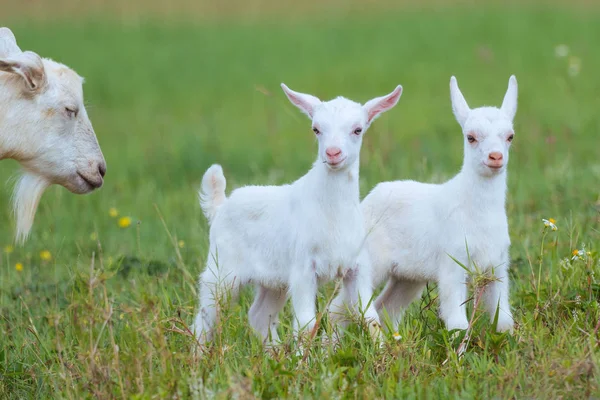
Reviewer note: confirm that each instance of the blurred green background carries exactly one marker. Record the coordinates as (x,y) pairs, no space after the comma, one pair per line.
(170,96)
(172,87)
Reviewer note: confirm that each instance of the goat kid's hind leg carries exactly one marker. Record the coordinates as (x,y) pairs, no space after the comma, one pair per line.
(496,295)
(357,293)
(264,312)
(212,291)
(337,314)
(397,295)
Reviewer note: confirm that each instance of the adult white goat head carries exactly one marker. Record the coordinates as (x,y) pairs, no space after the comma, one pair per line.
(339,124)
(488,131)
(45,127)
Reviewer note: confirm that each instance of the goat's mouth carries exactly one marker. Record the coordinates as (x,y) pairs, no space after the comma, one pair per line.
(494,167)
(86,184)
(336,164)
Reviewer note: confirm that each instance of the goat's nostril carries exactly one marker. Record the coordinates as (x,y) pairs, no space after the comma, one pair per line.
(102,169)
(496,156)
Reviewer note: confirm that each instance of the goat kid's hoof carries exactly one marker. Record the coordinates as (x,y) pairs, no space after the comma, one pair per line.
(197,351)
(506,326)
(333,340)
(301,351)
(376,333)
(461,324)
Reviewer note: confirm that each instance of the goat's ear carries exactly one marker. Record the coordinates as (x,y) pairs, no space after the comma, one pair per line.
(8,43)
(305,102)
(29,66)
(376,106)
(509,105)
(459,104)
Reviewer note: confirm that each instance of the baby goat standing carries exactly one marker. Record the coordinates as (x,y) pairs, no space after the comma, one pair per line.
(288,239)
(415,228)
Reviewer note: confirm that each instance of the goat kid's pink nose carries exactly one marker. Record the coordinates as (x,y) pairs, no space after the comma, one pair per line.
(333,152)
(495,156)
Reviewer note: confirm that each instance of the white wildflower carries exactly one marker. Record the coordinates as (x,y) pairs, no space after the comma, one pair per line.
(574,66)
(562,50)
(550,223)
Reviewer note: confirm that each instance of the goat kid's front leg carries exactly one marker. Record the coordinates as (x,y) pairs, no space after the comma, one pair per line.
(452,287)
(303,292)
(496,296)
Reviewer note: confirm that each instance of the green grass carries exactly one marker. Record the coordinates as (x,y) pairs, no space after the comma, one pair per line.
(106,318)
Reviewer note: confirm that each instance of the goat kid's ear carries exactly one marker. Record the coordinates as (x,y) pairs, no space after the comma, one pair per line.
(376,106)
(459,104)
(305,102)
(8,43)
(509,105)
(29,66)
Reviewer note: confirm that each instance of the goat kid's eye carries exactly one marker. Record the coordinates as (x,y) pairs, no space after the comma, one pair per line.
(357,131)
(510,138)
(71,112)
(471,139)
(316,131)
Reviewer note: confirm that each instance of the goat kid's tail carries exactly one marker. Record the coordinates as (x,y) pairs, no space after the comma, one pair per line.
(212,192)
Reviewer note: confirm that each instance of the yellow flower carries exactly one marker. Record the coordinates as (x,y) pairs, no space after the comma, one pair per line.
(124,222)
(94,236)
(396,336)
(552,220)
(578,254)
(45,255)
(19,267)
(8,249)
(181,244)
(113,212)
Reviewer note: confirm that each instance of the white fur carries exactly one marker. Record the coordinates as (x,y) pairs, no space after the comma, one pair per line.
(212,193)
(287,239)
(45,127)
(413,228)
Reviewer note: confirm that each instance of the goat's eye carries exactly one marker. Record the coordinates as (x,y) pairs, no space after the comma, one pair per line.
(316,131)
(471,138)
(71,112)
(357,131)
(511,137)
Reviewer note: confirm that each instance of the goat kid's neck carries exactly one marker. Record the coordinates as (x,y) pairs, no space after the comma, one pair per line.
(339,184)
(488,191)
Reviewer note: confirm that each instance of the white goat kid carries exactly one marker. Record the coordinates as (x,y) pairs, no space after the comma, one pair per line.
(288,239)
(45,127)
(414,228)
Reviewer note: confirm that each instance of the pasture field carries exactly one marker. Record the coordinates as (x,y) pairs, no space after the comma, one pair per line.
(97,305)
